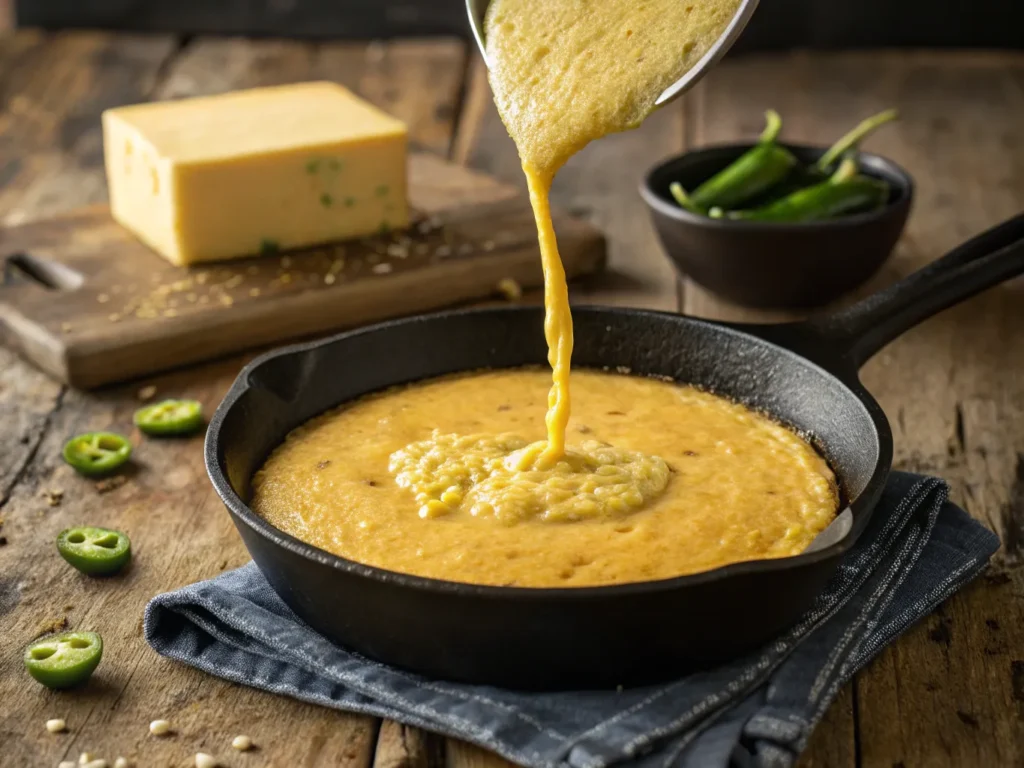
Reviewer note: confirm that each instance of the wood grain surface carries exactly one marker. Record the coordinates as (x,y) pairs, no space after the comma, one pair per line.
(90,304)
(951,692)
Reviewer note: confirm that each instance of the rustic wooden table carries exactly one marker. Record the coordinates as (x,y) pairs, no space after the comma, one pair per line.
(949,693)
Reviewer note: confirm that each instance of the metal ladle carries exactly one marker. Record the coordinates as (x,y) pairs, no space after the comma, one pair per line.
(477,8)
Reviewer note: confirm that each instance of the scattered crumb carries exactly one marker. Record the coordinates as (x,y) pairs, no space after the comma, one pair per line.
(465,249)
(443,251)
(510,289)
(226,300)
(488,245)
(235,281)
(108,484)
(103,298)
(254,292)
(170,313)
(160,727)
(53,496)
(146,393)
(381,269)
(329,279)
(69,607)
(114,317)
(51,626)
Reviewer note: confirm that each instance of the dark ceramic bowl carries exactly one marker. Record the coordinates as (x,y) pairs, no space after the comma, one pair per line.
(768,265)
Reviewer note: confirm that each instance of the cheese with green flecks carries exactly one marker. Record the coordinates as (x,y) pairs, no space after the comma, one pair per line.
(219,177)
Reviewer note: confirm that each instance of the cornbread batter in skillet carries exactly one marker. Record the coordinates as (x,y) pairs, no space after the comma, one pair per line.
(450,479)
(738,486)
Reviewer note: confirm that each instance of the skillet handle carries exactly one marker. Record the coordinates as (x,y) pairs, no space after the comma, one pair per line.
(988,259)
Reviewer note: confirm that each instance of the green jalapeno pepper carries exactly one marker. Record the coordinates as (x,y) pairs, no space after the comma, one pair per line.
(852,139)
(810,175)
(97,453)
(844,192)
(95,551)
(171,417)
(753,173)
(66,660)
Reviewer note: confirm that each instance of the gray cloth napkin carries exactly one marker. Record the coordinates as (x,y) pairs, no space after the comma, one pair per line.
(756,711)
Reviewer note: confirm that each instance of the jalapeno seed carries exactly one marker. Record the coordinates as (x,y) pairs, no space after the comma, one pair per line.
(170,417)
(65,660)
(95,551)
(97,453)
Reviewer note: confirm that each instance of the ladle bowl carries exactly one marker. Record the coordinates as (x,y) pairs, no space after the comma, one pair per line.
(476,9)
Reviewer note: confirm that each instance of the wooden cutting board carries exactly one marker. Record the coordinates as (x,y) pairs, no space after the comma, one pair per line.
(85,301)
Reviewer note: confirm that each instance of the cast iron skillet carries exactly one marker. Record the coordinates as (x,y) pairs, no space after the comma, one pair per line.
(805,374)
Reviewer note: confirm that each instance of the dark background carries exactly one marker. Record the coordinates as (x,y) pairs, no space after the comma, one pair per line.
(778,24)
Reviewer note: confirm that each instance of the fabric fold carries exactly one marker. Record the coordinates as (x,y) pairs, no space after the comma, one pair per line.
(756,711)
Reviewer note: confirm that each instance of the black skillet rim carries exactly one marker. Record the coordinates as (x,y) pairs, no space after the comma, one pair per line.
(241,511)
(901,182)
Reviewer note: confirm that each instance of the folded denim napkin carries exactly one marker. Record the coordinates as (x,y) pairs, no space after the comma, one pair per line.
(756,711)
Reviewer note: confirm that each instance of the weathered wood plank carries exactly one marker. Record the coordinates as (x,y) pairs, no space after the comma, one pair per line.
(178,530)
(949,387)
(51,149)
(7,19)
(951,693)
(402,746)
(600,183)
(392,76)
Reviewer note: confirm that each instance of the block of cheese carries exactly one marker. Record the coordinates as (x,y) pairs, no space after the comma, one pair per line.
(218,177)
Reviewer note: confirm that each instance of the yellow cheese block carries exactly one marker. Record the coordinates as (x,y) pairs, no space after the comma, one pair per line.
(218,177)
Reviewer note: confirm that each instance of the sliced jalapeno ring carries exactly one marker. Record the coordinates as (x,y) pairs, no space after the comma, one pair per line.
(97,453)
(171,417)
(65,660)
(95,551)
